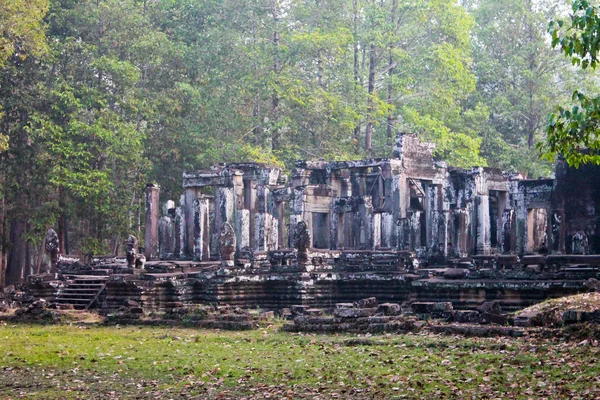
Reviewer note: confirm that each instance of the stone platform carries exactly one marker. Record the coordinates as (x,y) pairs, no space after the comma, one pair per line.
(266,284)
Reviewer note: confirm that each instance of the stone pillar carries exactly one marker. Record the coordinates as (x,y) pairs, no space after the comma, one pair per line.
(557,243)
(180,229)
(462,235)
(262,219)
(483,224)
(506,237)
(519,226)
(151,231)
(191,194)
(482,204)
(242,229)
(281,228)
(376,230)
(202,234)
(224,206)
(365,218)
(388,231)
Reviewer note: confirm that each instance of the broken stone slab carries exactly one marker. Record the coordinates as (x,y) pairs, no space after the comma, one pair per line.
(492,307)
(298,309)
(429,307)
(233,317)
(465,316)
(306,320)
(354,312)
(535,259)
(525,320)
(389,309)
(369,302)
(394,326)
(456,273)
(344,305)
(592,284)
(131,303)
(492,318)
(533,269)
(267,316)
(314,311)
(578,316)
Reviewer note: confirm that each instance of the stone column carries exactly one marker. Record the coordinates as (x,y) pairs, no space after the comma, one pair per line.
(191,194)
(202,236)
(482,203)
(376,230)
(242,229)
(224,206)
(483,224)
(151,231)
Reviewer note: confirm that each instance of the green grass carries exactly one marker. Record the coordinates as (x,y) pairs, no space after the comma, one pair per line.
(109,362)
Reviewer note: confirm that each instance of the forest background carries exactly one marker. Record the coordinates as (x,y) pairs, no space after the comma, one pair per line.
(98,97)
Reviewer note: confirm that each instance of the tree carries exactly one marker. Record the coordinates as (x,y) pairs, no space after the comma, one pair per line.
(573,132)
(21,35)
(516,72)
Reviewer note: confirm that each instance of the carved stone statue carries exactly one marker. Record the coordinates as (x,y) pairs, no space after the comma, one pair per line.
(227,244)
(52,248)
(134,259)
(131,252)
(301,239)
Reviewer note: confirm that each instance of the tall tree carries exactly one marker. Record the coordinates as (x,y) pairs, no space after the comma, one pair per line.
(516,74)
(573,131)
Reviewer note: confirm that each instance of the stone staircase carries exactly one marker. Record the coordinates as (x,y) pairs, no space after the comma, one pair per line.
(81,291)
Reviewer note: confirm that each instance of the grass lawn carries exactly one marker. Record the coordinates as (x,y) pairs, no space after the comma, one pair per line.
(62,361)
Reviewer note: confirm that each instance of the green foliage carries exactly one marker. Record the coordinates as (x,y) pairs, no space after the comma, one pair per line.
(21,28)
(516,73)
(106,95)
(573,131)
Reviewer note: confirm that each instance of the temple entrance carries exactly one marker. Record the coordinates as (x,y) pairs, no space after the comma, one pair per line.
(320,228)
(537,228)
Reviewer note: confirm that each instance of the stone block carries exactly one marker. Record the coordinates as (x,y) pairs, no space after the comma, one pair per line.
(344,305)
(422,307)
(573,316)
(445,306)
(314,311)
(533,269)
(369,302)
(429,307)
(267,316)
(456,273)
(354,312)
(389,309)
(493,307)
(298,309)
(578,316)
(492,318)
(131,303)
(465,316)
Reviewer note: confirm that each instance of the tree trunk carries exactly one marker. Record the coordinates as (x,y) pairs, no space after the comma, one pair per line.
(275,139)
(390,118)
(3,242)
(390,88)
(370,89)
(16,256)
(40,259)
(63,235)
(356,132)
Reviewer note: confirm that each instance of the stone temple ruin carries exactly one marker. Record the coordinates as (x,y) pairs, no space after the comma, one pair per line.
(407,229)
